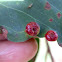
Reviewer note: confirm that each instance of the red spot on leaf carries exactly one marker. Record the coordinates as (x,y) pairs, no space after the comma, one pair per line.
(51,35)
(51,20)
(47,6)
(59,15)
(32,29)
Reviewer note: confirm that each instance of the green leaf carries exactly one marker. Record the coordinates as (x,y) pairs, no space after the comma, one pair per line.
(15,15)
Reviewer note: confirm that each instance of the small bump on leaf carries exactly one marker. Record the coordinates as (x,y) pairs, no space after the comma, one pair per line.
(59,15)
(51,20)
(47,6)
(30,5)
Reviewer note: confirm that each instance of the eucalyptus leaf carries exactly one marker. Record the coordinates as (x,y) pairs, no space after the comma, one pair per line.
(14,15)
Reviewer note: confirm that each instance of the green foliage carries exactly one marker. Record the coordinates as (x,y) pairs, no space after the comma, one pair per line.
(15,15)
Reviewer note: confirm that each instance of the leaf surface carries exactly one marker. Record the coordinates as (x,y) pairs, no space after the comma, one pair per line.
(14,15)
